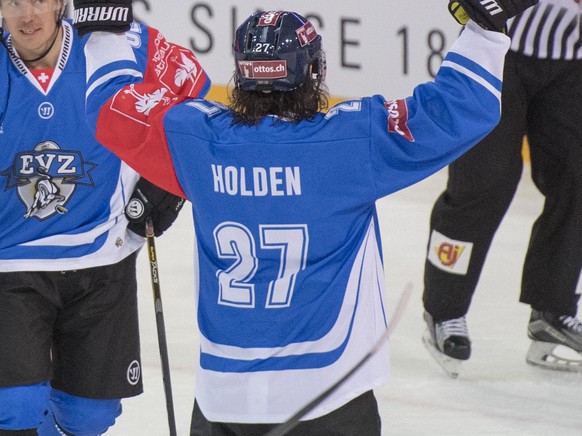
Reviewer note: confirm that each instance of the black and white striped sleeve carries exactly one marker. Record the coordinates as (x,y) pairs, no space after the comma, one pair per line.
(550,30)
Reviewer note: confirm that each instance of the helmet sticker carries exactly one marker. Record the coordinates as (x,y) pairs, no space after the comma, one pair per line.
(263,69)
(269,18)
(306,34)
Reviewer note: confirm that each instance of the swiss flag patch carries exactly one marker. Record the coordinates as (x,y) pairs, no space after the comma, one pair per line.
(398,118)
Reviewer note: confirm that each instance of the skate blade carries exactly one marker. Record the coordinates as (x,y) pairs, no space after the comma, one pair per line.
(555,357)
(448,364)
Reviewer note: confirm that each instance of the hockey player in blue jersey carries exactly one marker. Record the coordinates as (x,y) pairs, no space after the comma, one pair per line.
(291,281)
(69,343)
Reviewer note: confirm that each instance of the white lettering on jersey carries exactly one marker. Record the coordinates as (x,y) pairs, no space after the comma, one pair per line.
(256,181)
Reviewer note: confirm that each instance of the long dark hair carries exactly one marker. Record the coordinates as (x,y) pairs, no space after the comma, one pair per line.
(302,103)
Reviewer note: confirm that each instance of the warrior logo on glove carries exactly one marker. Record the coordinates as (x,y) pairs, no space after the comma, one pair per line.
(148,200)
(135,209)
(489,14)
(100,13)
(97,15)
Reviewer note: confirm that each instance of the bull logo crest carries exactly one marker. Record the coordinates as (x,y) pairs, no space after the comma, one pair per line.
(46,178)
(46,193)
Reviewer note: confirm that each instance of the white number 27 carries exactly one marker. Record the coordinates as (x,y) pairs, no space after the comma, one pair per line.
(235,241)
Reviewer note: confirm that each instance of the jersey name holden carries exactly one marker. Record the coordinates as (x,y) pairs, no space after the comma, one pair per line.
(256,181)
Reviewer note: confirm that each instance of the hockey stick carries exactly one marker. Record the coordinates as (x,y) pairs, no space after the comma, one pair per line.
(292,422)
(163,344)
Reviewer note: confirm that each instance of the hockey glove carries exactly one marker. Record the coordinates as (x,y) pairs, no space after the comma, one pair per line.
(148,200)
(102,15)
(489,14)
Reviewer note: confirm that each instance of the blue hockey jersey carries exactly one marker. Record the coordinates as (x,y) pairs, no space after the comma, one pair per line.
(63,193)
(290,268)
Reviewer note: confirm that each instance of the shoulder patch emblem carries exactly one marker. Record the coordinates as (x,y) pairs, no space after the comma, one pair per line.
(398,118)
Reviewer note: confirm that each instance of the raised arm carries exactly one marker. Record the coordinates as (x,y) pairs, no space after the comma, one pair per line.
(130,86)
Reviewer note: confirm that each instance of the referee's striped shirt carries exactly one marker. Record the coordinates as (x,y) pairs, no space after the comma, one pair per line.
(549,30)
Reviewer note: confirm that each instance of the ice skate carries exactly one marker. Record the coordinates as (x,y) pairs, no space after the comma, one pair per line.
(556,342)
(447,342)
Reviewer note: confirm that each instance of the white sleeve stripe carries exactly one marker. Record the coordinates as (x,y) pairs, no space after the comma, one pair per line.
(107,77)
(474,77)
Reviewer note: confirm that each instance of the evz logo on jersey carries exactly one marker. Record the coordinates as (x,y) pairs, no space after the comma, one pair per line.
(46,178)
(398,118)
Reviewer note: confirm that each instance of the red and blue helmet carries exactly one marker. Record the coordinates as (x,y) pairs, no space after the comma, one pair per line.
(277,51)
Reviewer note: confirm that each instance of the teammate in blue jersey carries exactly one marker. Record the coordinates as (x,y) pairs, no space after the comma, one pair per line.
(69,344)
(291,279)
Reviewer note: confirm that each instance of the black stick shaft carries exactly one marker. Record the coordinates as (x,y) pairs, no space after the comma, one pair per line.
(162,342)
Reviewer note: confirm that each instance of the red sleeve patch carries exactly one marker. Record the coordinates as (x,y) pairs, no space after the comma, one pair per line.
(137,101)
(398,118)
(174,67)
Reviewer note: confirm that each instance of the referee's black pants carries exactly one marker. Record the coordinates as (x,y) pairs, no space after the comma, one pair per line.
(543,99)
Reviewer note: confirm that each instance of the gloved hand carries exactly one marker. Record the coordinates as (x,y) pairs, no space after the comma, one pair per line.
(102,15)
(148,200)
(489,14)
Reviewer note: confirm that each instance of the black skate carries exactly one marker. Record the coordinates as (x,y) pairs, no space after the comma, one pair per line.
(448,342)
(556,341)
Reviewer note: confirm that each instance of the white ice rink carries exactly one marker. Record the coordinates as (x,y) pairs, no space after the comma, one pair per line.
(496,393)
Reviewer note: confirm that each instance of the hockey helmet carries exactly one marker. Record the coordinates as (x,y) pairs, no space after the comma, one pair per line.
(276,51)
